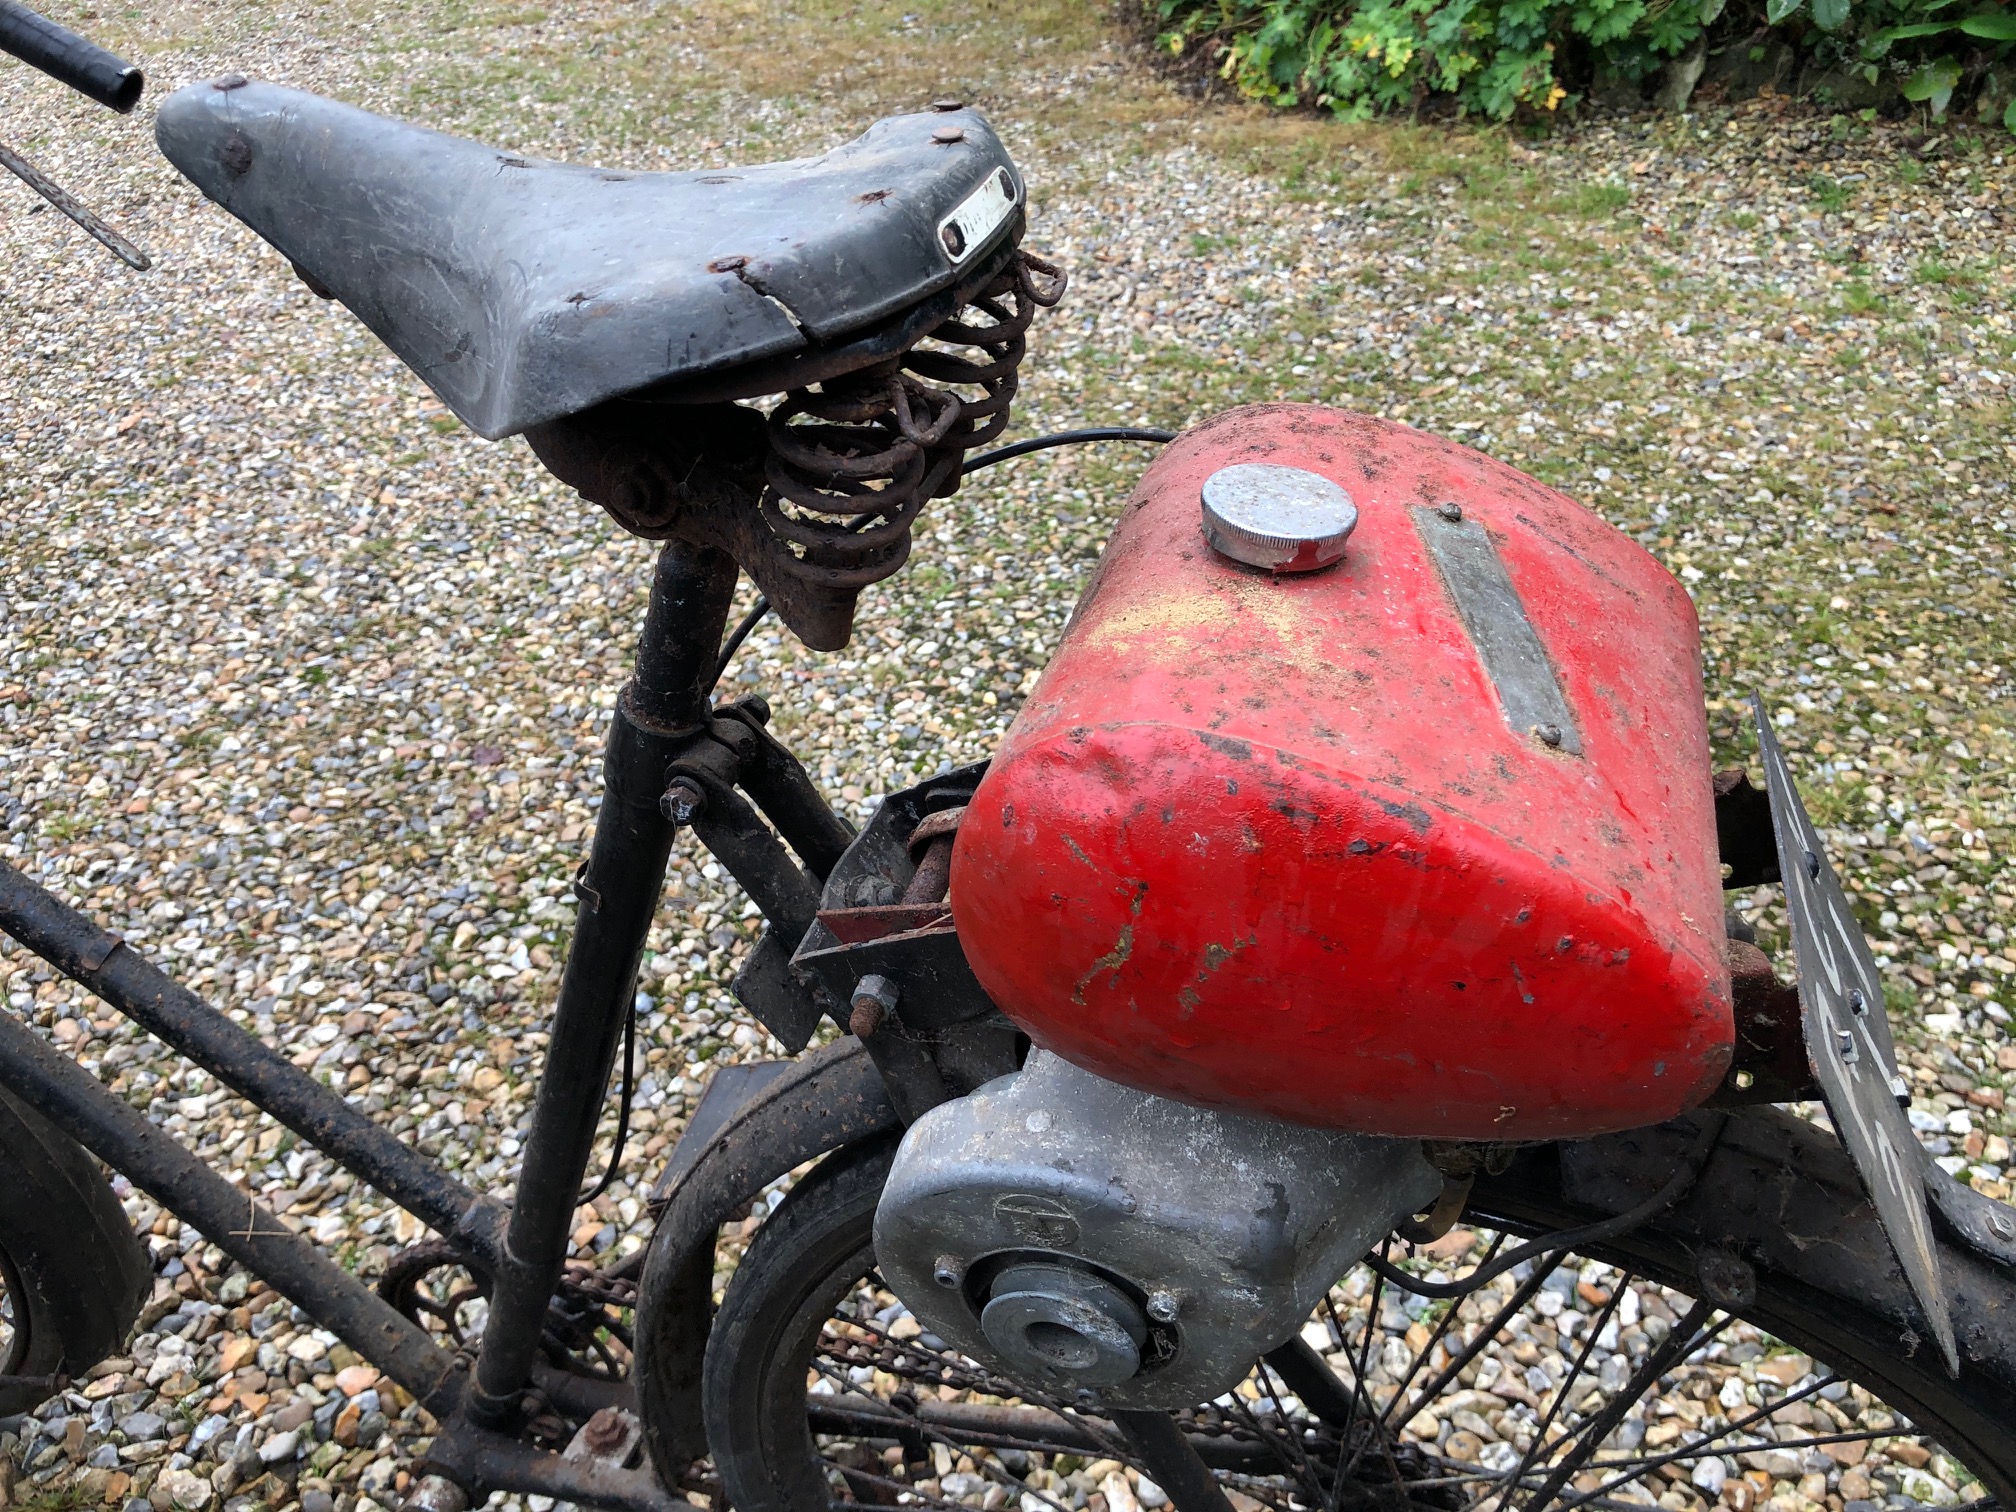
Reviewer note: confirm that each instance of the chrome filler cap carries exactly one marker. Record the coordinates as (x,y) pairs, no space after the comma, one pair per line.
(1285,519)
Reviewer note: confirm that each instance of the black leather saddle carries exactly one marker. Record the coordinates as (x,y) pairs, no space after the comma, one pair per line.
(524,291)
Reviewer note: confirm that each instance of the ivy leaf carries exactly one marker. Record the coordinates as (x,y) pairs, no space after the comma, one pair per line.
(1994,26)
(1934,84)
(1776,11)
(1829,15)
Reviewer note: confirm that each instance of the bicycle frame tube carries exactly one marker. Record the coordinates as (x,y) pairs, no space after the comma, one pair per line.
(618,891)
(664,724)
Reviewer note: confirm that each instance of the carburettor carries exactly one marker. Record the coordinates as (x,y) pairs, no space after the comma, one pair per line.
(1118,1247)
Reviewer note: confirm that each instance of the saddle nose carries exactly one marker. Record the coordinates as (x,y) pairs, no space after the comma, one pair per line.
(524,290)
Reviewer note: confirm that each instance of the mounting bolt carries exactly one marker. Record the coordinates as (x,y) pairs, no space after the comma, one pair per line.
(1163,1306)
(1550,734)
(1452,512)
(683,801)
(605,1430)
(1857,1003)
(874,1000)
(945,136)
(941,106)
(2001,1226)
(953,237)
(948,1271)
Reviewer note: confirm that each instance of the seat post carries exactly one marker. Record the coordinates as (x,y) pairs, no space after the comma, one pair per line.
(665,701)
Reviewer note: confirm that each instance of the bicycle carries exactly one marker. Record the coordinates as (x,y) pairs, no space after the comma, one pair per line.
(997,1266)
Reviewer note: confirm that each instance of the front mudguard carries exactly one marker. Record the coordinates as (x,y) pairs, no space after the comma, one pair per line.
(833,1097)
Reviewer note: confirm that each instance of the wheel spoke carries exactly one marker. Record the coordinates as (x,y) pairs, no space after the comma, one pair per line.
(1677,1345)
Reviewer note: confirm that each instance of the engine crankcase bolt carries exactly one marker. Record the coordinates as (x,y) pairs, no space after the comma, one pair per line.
(1163,1306)
(948,1271)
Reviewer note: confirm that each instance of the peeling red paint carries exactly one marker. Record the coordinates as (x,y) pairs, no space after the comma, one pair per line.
(1443,927)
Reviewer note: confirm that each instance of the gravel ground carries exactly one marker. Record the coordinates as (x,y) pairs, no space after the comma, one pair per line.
(302,687)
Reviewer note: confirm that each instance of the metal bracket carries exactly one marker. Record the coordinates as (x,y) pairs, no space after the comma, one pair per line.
(1848,1042)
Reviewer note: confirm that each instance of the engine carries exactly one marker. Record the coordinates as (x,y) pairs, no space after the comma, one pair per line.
(1121,1248)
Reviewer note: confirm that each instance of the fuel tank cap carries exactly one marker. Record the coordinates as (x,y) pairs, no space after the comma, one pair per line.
(1285,519)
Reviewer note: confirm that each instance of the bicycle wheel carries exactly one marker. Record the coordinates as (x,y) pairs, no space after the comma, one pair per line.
(73,1274)
(1596,1380)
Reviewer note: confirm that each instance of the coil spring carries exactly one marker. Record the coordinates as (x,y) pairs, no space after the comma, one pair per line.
(852,463)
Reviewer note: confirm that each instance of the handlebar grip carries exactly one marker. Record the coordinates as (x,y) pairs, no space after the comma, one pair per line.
(68,58)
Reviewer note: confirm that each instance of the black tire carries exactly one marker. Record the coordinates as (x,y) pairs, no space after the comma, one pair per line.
(810,1256)
(74,1272)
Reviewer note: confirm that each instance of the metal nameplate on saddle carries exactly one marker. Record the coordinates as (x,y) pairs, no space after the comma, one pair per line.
(1848,1041)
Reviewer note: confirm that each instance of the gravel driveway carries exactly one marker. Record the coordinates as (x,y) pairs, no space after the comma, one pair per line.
(302,688)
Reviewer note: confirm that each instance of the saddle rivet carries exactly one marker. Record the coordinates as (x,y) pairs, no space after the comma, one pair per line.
(945,136)
(941,106)
(229,82)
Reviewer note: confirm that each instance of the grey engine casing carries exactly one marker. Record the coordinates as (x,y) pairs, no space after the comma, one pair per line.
(1241,1222)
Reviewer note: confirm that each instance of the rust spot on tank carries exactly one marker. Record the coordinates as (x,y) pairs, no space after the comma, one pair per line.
(1238,750)
(1113,960)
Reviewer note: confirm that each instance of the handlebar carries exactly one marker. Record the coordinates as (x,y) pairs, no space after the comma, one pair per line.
(68,58)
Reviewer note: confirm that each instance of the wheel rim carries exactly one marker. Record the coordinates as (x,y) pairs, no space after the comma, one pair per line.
(1541,1390)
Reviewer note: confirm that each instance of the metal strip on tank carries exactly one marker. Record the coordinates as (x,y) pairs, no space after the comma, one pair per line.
(1506,643)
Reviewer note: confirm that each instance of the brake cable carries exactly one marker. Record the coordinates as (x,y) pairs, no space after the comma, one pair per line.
(1566,1239)
(972,464)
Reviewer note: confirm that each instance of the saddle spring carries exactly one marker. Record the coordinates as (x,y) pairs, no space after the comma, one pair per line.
(853,461)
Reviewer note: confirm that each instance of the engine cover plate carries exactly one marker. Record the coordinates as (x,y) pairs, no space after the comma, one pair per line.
(1222,1229)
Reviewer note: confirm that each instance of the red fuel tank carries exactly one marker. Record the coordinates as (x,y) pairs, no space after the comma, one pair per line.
(1421,843)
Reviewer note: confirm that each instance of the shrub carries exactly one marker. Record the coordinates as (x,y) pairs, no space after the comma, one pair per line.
(1495,58)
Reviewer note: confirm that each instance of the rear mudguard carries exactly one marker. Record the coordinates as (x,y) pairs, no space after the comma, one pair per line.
(833,1097)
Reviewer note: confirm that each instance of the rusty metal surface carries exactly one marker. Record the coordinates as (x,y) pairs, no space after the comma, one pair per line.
(1283,852)
(832,1097)
(1848,1040)
(816,501)
(1770,1035)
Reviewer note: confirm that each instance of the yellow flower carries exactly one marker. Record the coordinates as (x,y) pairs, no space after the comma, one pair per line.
(1555,96)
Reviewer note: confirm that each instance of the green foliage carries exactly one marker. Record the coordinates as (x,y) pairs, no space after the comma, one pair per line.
(1497,58)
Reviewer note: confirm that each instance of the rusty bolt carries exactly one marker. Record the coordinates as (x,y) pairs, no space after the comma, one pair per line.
(941,106)
(604,1431)
(953,237)
(1163,1306)
(230,82)
(1452,512)
(948,1271)
(727,264)
(945,136)
(1550,734)
(874,1000)
(935,827)
(683,801)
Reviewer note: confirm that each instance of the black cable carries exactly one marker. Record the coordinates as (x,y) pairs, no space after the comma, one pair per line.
(1066,438)
(735,638)
(622,1111)
(1567,1239)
